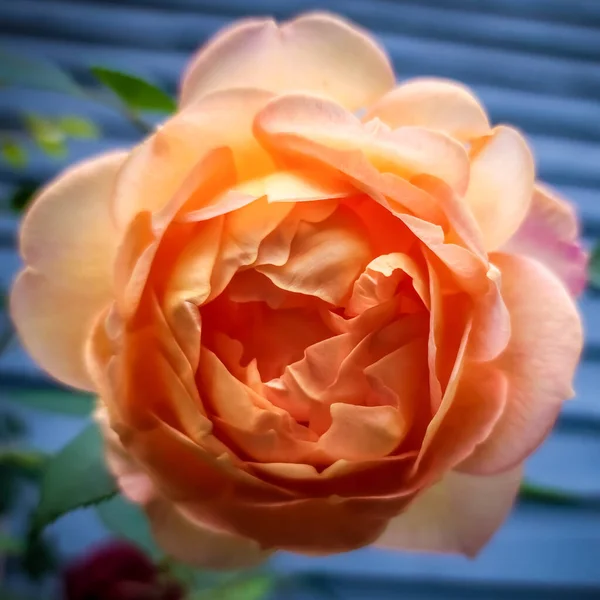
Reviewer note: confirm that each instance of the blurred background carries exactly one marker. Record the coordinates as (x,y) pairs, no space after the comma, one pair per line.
(534,63)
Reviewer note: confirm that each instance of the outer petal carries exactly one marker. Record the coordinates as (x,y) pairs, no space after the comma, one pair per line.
(313,53)
(433,103)
(539,362)
(501,184)
(550,234)
(457,515)
(176,531)
(68,243)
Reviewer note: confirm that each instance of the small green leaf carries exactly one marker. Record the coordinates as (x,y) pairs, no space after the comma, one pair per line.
(46,135)
(78,127)
(10,546)
(56,401)
(22,195)
(76,477)
(594,267)
(13,153)
(135,93)
(128,521)
(17,70)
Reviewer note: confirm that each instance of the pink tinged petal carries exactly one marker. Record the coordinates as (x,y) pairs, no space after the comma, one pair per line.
(134,483)
(539,362)
(437,104)
(550,234)
(68,243)
(457,515)
(501,184)
(297,119)
(184,537)
(315,52)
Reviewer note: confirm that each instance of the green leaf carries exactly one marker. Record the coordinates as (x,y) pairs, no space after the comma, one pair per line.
(135,93)
(76,477)
(21,196)
(249,588)
(56,401)
(13,153)
(128,521)
(10,546)
(594,267)
(17,70)
(46,135)
(78,127)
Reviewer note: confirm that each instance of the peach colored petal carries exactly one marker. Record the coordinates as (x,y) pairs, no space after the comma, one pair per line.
(550,234)
(315,52)
(158,167)
(438,104)
(471,406)
(457,515)
(200,196)
(362,432)
(501,184)
(325,258)
(68,244)
(299,119)
(539,362)
(379,282)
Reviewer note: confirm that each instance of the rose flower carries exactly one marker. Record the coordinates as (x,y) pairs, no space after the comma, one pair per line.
(319,311)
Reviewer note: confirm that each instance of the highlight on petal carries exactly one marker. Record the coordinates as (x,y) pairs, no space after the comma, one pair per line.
(315,52)
(457,515)
(158,168)
(501,184)
(539,362)
(438,104)
(68,243)
(550,234)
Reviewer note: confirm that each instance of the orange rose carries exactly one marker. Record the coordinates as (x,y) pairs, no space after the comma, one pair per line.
(310,330)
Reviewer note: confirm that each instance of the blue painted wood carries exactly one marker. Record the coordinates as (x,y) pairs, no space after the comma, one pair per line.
(535,63)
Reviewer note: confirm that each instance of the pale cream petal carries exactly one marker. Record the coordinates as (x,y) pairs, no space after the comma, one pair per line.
(501,184)
(315,52)
(68,243)
(439,104)
(457,515)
